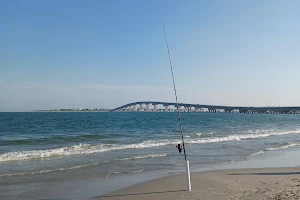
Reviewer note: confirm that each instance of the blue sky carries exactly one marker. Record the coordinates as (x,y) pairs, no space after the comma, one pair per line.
(65,54)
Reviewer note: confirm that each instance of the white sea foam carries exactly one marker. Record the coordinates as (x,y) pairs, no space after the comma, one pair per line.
(237,137)
(256,153)
(125,172)
(137,171)
(200,134)
(261,131)
(89,149)
(144,156)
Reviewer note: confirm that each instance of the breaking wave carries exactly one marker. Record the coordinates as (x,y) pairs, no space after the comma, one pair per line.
(82,149)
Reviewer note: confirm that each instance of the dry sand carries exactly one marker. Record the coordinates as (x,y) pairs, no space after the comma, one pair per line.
(246,184)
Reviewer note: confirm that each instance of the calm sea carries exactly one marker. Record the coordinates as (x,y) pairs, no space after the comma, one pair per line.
(36,147)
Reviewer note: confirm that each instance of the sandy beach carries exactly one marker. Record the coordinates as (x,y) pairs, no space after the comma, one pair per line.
(252,184)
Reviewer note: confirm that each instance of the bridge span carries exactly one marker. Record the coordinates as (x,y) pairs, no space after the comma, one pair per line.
(154,106)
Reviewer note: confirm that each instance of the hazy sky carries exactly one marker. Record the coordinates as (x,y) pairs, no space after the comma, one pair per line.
(68,53)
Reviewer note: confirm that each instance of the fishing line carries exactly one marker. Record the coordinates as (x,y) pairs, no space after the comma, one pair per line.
(178,109)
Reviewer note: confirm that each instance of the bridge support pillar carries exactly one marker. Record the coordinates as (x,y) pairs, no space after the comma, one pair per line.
(147,108)
(166,108)
(141,107)
(155,107)
(133,109)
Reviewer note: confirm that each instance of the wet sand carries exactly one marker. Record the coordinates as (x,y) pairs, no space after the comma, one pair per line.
(246,184)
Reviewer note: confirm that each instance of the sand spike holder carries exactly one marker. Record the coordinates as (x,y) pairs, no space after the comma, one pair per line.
(188,176)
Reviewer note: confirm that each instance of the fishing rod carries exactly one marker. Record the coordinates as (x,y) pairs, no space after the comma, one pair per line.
(178,113)
(174,87)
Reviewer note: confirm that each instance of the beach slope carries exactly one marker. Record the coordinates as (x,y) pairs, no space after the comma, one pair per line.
(246,184)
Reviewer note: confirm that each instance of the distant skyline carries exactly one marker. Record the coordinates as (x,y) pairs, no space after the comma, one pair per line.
(104,54)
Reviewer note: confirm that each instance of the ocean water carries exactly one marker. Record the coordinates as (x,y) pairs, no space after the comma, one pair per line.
(41,147)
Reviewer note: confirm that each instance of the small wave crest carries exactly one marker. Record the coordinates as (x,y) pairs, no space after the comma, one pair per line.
(53,139)
(256,153)
(237,137)
(124,172)
(283,147)
(137,171)
(203,134)
(48,170)
(291,144)
(144,156)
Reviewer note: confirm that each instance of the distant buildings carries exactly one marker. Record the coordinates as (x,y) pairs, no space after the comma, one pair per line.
(76,110)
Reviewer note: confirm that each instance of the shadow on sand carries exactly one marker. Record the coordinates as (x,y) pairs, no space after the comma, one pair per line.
(143,193)
(267,173)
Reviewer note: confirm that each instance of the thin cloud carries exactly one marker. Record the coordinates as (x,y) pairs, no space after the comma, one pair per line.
(129,87)
(108,87)
(24,85)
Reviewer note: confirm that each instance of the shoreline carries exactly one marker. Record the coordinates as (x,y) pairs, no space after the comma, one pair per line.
(250,179)
(259,183)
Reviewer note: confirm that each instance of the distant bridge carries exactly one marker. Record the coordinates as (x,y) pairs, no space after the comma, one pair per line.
(144,106)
